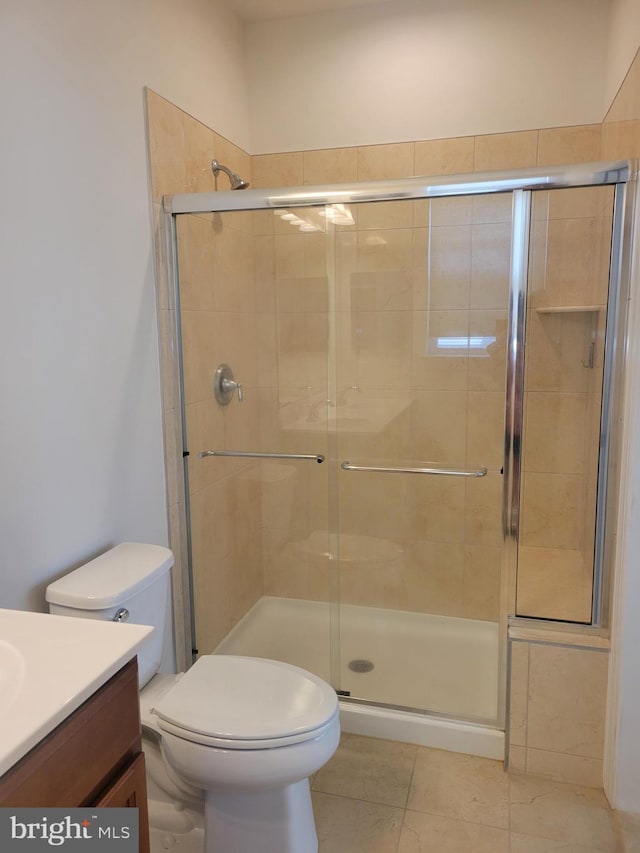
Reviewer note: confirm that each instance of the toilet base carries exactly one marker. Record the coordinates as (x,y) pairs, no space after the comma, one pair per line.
(275,820)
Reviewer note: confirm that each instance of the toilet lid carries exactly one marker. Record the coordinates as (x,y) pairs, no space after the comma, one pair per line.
(235,698)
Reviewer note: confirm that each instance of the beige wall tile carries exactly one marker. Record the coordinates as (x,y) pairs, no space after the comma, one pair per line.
(551,511)
(485,429)
(517,759)
(234,158)
(198,149)
(481,590)
(330,165)
(554,583)
(434,578)
(554,433)
(557,346)
(573,769)
(383,348)
(373,424)
(196,262)
(431,369)
(264,260)
(567,694)
(439,421)
(444,156)
(490,266)
(166,147)
(389,249)
(505,150)
(566,272)
(286,565)
(436,509)
(384,215)
(483,510)
(488,372)
(381,508)
(376,162)
(493,207)
(457,210)
(444,273)
(372,571)
(383,290)
(211,338)
(621,139)
(518,693)
(277,170)
(560,145)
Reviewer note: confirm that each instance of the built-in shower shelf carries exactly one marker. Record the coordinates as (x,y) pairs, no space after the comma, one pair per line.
(568,309)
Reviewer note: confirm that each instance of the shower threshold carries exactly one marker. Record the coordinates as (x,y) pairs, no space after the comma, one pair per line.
(393,661)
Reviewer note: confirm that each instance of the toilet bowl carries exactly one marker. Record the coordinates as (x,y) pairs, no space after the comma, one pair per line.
(241,734)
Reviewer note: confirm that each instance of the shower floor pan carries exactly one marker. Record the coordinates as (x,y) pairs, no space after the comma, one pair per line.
(444,666)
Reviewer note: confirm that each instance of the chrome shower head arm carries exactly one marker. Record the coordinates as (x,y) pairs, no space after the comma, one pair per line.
(237,183)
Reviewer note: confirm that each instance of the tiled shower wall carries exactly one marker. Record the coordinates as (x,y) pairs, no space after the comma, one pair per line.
(219,325)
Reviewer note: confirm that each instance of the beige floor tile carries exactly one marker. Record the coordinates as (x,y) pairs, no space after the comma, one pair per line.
(629,829)
(464,787)
(529,844)
(353,826)
(567,813)
(428,833)
(364,768)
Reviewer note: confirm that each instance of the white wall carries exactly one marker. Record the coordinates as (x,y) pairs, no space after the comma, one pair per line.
(423,69)
(80,414)
(624,35)
(622,743)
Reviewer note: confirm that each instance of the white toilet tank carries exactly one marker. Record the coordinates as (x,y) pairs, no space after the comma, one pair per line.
(131,577)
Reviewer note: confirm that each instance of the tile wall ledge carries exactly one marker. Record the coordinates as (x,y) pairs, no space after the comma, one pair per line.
(558,633)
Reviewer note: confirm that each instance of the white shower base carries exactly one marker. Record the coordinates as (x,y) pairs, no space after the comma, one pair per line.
(439,664)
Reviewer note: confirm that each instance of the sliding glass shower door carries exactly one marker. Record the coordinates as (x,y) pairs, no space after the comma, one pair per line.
(421,299)
(396,416)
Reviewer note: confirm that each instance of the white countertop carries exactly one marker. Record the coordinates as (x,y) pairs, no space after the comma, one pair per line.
(49,665)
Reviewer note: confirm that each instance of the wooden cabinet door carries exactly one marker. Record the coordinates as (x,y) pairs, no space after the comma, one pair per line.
(130,791)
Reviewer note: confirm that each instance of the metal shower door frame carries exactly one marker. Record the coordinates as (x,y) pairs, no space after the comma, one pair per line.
(520,183)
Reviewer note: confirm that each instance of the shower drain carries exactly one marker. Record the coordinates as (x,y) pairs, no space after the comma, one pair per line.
(360,665)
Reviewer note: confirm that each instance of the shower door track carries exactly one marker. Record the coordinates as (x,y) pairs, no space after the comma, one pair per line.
(548,177)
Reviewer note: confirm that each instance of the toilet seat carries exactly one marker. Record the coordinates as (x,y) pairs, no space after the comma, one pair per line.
(233,702)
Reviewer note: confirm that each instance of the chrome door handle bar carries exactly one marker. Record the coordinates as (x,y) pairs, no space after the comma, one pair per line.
(447,472)
(316,457)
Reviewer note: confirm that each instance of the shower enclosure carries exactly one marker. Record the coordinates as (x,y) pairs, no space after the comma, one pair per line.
(398,400)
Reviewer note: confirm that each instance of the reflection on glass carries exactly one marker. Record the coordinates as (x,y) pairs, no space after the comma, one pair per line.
(566,321)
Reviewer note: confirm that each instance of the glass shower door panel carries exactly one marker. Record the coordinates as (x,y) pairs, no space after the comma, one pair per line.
(422,292)
(253,295)
(564,353)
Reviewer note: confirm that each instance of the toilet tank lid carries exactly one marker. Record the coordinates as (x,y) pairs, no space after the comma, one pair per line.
(111,578)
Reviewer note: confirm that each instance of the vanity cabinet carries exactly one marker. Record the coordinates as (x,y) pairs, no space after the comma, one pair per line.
(93,758)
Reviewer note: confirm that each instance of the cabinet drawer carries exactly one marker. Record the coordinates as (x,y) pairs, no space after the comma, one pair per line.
(79,758)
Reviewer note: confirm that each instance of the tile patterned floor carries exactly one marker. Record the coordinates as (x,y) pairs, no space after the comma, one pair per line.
(378,796)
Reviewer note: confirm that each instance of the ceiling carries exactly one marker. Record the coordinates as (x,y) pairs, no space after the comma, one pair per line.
(261,10)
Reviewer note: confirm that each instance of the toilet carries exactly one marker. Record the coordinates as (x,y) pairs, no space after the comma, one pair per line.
(240,735)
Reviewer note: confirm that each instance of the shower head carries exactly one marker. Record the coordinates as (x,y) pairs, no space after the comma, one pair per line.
(236,181)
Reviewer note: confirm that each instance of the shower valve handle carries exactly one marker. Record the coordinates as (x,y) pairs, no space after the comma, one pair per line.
(225,384)
(231,385)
